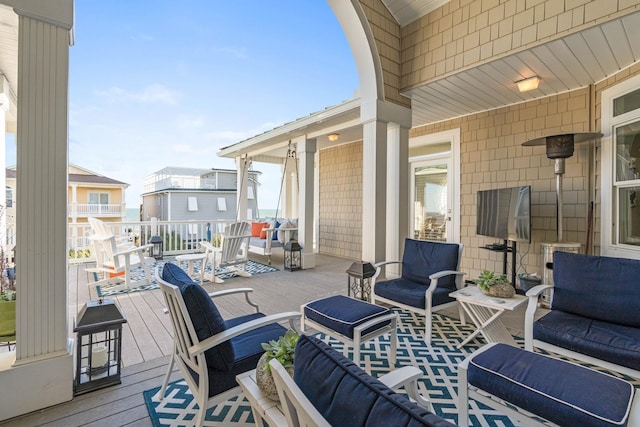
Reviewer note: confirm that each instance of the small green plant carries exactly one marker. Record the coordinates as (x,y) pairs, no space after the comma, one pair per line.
(8,295)
(281,350)
(488,278)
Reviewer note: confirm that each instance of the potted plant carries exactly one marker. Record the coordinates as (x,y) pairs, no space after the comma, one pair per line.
(283,351)
(494,284)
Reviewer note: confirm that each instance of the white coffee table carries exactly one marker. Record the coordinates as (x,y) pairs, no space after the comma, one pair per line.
(485,312)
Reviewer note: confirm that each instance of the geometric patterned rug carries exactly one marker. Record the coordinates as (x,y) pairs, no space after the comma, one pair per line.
(137,273)
(438,362)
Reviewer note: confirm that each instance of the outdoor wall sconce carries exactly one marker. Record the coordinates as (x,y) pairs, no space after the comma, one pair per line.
(98,350)
(530,83)
(157,248)
(292,256)
(359,280)
(333,137)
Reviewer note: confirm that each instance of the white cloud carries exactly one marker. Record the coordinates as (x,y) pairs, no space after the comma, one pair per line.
(153,94)
(191,121)
(239,53)
(143,37)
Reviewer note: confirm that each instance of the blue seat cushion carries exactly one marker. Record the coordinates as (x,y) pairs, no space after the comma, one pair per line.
(411,293)
(347,396)
(602,288)
(204,315)
(578,397)
(422,259)
(342,314)
(606,341)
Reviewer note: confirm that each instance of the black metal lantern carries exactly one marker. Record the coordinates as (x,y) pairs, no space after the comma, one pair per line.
(98,350)
(292,256)
(157,248)
(359,280)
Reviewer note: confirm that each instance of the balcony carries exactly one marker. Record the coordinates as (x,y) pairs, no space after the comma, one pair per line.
(82,210)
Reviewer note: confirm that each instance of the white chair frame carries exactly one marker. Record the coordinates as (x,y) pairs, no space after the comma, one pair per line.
(189,350)
(232,255)
(114,259)
(429,308)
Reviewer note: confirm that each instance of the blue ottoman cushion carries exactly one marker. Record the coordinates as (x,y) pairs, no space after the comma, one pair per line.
(347,396)
(342,314)
(578,396)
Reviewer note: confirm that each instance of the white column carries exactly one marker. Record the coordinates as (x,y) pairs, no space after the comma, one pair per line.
(398,193)
(374,191)
(242,166)
(306,153)
(4,107)
(42,374)
(289,196)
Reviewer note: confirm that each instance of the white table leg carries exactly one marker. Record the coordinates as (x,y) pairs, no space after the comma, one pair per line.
(488,324)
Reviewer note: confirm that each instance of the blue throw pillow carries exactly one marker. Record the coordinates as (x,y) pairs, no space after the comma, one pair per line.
(275,232)
(204,315)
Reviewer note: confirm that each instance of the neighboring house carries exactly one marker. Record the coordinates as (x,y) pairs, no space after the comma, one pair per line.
(183,194)
(89,195)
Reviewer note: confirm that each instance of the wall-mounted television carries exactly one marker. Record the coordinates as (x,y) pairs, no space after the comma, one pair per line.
(505,213)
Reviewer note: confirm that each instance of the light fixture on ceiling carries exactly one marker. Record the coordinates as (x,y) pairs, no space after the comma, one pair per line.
(333,137)
(530,83)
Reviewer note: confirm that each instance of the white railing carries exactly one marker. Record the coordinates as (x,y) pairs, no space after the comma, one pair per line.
(178,237)
(81,209)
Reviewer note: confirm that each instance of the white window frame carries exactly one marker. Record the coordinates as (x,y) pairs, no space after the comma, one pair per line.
(192,204)
(608,211)
(222,204)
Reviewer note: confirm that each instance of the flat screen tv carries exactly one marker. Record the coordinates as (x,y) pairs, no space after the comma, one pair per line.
(505,213)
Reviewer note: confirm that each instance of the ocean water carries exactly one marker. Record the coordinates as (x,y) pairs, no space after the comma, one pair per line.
(132,215)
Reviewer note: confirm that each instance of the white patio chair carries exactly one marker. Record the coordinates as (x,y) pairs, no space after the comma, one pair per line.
(232,255)
(115,260)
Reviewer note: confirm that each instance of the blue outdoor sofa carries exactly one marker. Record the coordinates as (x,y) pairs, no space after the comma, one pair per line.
(595,312)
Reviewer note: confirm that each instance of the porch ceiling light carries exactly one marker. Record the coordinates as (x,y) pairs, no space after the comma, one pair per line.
(333,137)
(528,84)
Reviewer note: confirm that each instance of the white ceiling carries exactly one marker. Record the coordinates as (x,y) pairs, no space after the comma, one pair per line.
(407,11)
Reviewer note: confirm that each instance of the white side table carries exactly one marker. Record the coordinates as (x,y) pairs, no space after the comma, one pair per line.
(262,407)
(190,259)
(485,312)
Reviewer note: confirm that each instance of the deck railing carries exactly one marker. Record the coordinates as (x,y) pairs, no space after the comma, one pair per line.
(179,237)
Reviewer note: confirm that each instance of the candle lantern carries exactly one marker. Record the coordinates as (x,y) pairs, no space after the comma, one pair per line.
(292,256)
(98,349)
(157,248)
(359,280)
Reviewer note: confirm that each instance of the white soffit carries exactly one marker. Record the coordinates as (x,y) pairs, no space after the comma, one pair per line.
(565,64)
(407,11)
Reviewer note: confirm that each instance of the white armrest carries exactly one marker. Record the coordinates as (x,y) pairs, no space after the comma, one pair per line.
(529,315)
(436,276)
(227,334)
(129,251)
(378,266)
(246,292)
(537,290)
(407,377)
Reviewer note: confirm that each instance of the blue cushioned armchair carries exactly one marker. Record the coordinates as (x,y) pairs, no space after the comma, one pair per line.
(209,350)
(429,274)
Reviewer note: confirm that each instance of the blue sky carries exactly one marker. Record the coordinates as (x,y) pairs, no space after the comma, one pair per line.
(157,83)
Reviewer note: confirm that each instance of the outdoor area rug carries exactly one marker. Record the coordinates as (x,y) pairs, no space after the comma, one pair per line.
(252,267)
(439,363)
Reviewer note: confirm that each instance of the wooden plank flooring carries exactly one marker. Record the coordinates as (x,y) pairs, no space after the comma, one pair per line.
(147,336)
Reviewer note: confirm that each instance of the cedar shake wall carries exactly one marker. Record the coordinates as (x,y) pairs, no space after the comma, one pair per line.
(465,33)
(492,156)
(340,217)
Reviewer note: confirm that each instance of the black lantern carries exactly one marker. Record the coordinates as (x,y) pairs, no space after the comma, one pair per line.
(359,280)
(98,350)
(292,256)
(157,248)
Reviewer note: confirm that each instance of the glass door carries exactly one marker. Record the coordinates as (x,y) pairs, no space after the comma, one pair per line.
(431,200)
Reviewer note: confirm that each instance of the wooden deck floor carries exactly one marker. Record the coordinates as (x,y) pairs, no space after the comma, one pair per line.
(147,337)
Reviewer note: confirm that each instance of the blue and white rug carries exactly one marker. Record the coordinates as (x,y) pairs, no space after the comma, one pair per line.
(252,267)
(439,363)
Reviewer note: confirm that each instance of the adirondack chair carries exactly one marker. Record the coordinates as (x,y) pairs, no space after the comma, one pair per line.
(115,260)
(100,229)
(232,255)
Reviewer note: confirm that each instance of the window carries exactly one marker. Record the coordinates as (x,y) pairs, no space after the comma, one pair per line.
(222,204)
(250,193)
(9,196)
(192,204)
(98,203)
(620,170)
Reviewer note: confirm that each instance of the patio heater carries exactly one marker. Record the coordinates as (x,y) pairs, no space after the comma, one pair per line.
(157,249)
(359,280)
(99,346)
(559,147)
(292,256)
